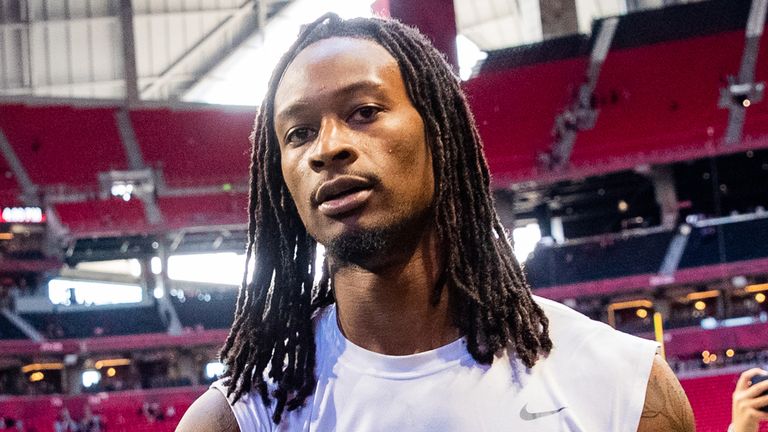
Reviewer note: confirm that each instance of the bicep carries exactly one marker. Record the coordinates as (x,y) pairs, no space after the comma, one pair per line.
(210,412)
(666,406)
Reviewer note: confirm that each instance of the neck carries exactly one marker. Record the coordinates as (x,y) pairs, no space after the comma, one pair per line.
(388,309)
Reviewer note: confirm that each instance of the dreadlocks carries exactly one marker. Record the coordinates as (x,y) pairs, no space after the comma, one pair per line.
(272,337)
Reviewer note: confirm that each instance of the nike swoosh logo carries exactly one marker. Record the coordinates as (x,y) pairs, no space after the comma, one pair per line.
(528,416)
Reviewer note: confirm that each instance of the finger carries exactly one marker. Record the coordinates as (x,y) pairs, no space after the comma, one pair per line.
(759,402)
(757,414)
(746,376)
(757,389)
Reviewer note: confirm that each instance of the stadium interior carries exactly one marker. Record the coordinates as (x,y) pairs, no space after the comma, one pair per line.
(627,139)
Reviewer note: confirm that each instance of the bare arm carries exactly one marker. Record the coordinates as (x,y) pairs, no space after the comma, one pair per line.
(666,406)
(210,412)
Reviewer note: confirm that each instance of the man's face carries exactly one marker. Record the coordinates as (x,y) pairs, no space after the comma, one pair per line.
(353,150)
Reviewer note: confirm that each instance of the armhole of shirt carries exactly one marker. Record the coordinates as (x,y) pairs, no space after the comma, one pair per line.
(249,411)
(630,362)
(648,352)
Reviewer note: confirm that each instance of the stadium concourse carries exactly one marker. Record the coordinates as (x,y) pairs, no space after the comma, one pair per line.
(629,159)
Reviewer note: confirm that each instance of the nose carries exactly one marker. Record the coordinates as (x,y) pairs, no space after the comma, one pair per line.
(333,146)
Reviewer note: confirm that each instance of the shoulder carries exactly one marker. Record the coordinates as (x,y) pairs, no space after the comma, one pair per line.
(571,330)
(210,412)
(666,406)
(619,364)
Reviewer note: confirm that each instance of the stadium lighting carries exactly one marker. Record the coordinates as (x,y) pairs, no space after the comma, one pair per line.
(214,370)
(468,55)
(122,190)
(64,291)
(90,378)
(224,268)
(526,238)
(156,265)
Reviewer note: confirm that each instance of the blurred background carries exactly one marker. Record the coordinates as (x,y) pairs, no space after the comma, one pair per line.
(628,142)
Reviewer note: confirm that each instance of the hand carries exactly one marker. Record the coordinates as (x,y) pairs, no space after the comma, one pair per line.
(747,401)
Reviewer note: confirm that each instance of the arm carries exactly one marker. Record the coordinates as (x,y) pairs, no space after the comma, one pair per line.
(747,401)
(210,412)
(666,406)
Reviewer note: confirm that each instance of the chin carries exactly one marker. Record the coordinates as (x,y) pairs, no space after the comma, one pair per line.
(360,245)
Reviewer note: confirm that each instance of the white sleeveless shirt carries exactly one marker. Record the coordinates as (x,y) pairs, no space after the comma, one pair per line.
(594,380)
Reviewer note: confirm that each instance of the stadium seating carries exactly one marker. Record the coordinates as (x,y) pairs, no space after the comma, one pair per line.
(101,322)
(64,145)
(710,399)
(120,411)
(594,260)
(104,217)
(515,111)
(211,311)
(741,241)
(654,106)
(204,210)
(8,330)
(195,147)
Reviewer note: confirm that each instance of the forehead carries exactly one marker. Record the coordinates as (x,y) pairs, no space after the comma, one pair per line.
(331,65)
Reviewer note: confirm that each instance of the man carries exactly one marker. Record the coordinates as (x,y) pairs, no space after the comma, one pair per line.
(421,319)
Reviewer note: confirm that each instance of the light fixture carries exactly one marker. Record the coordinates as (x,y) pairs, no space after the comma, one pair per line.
(112,363)
(700,305)
(756,287)
(41,366)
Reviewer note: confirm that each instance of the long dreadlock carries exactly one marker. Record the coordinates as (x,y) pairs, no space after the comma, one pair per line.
(272,337)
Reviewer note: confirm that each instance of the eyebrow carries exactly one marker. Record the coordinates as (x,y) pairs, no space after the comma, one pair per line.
(298,105)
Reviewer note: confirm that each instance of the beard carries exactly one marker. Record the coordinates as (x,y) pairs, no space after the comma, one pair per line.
(367,247)
(362,245)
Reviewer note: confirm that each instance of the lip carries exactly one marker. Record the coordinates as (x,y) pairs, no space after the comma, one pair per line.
(345,203)
(342,194)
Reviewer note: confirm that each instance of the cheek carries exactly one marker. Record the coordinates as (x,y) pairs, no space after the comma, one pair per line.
(292,177)
(413,157)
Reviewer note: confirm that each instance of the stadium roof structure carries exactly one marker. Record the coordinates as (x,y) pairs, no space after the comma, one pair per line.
(106,168)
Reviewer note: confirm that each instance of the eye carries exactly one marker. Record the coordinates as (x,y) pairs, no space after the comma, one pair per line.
(299,136)
(365,114)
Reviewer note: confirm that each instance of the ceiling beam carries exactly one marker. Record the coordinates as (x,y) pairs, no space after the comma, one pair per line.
(29,190)
(136,162)
(130,73)
(580,115)
(742,91)
(243,14)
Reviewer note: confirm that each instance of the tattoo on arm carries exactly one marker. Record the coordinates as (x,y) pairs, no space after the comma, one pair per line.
(666,403)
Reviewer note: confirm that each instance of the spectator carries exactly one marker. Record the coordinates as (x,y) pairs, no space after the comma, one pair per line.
(65,423)
(152,412)
(747,402)
(90,422)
